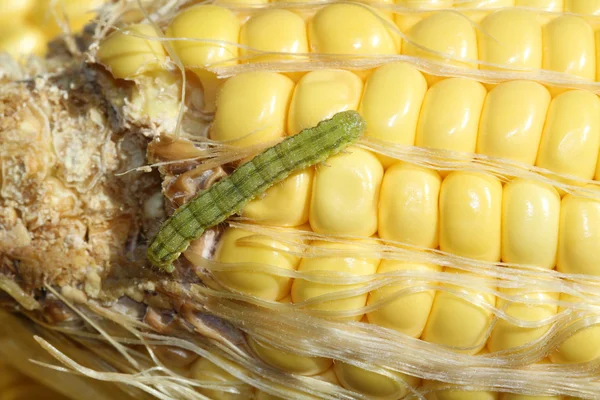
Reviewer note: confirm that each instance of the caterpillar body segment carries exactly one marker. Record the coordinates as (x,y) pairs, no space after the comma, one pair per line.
(228,196)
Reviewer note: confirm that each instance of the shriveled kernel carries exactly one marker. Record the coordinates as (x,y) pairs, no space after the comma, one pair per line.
(252,108)
(530,222)
(408,205)
(175,356)
(320,94)
(221,28)
(127,54)
(207,371)
(284,204)
(512,121)
(303,290)
(583,346)
(22,40)
(579,236)
(293,363)
(587,7)
(571,136)
(236,247)
(457,322)
(510,38)
(506,335)
(373,384)
(569,47)
(73,13)
(470,215)
(273,30)
(445,36)
(59,197)
(391,103)
(408,313)
(546,5)
(351,29)
(345,194)
(449,118)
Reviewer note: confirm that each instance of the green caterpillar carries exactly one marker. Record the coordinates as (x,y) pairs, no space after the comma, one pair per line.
(229,195)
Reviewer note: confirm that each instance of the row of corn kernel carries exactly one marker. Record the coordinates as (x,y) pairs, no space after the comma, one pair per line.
(515,120)
(27,25)
(476,218)
(510,37)
(207,371)
(506,38)
(585,7)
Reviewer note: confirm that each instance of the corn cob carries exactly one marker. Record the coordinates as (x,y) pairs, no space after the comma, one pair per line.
(465,188)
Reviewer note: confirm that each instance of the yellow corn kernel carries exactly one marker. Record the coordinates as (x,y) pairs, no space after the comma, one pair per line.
(586,7)
(289,362)
(327,376)
(206,371)
(546,5)
(512,121)
(597,37)
(405,21)
(14,11)
(444,32)
(450,115)
(582,347)
(514,396)
(470,215)
(346,194)
(304,290)
(241,2)
(351,29)
(569,47)
(284,204)
(457,322)
(571,136)
(506,335)
(407,313)
(391,103)
(320,94)
(23,40)
(510,38)
(530,222)
(218,24)
(597,175)
(476,10)
(252,108)
(236,247)
(408,205)
(457,394)
(484,3)
(579,236)
(273,30)
(373,384)
(127,56)
(74,14)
